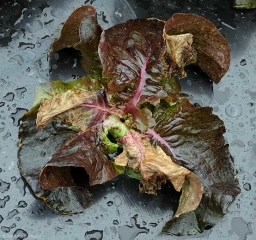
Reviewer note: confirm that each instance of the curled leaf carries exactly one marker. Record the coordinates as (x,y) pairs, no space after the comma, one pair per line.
(82,32)
(180,53)
(32,157)
(193,137)
(154,166)
(80,151)
(213,54)
(79,107)
(123,54)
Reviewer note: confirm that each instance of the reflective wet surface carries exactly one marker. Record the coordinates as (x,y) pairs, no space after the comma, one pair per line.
(27,29)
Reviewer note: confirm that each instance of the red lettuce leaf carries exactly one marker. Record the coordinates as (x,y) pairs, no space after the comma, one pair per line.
(213,54)
(123,54)
(82,151)
(194,138)
(82,32)
(32,157)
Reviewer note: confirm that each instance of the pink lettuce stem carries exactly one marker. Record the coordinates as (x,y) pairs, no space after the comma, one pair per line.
(131,106)
(156,136)
(117,112)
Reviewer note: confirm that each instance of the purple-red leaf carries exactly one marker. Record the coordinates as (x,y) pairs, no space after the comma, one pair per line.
(123,55)
(82,32)
(213,54)
(81,151)
(195,141)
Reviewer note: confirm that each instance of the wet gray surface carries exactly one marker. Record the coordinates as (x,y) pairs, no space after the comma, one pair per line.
(119,212)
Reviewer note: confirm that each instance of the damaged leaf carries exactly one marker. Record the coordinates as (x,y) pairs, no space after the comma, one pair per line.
(123,54)
(155,168)
(32,158)
(80,151)
(48,89)
(180,52)
(132,119)
(193,137)
(82,32)
(79,107)
(213,54)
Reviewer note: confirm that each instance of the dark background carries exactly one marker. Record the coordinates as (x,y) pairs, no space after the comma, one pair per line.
(27,29)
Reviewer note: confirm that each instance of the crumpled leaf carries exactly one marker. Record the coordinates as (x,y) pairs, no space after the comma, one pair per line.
(193,137)
(82,32)
(213,54)
(155,168)
(32,157)
(79,107)
(180,52)
(123,54)
(82,151)
(48,89)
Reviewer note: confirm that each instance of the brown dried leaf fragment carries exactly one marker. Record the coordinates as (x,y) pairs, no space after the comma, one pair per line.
(213,54)
(179,49)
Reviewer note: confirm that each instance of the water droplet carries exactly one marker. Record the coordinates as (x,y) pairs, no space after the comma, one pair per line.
(54,66)
(2,104)
(247,187)
(243,62)
(242,75)
(7,135)
(251,93)
(115,222)
(20,184)
(240,227)
(109,203)
(127,232)
(153,224)
(29,28)
(22,204)
(57,12)
(30,55)
(233,110)
(12,213)
(117,201)
(5,229)
(113,185)
(13,179)
(70,222)
(56,56)
(4,200)
(1,218)
(216,109)
(4,186)
(238,143)
(20,234)
(16,116)
(221,96)
(18,58)
(9,97)
(94,235)
(24,46)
